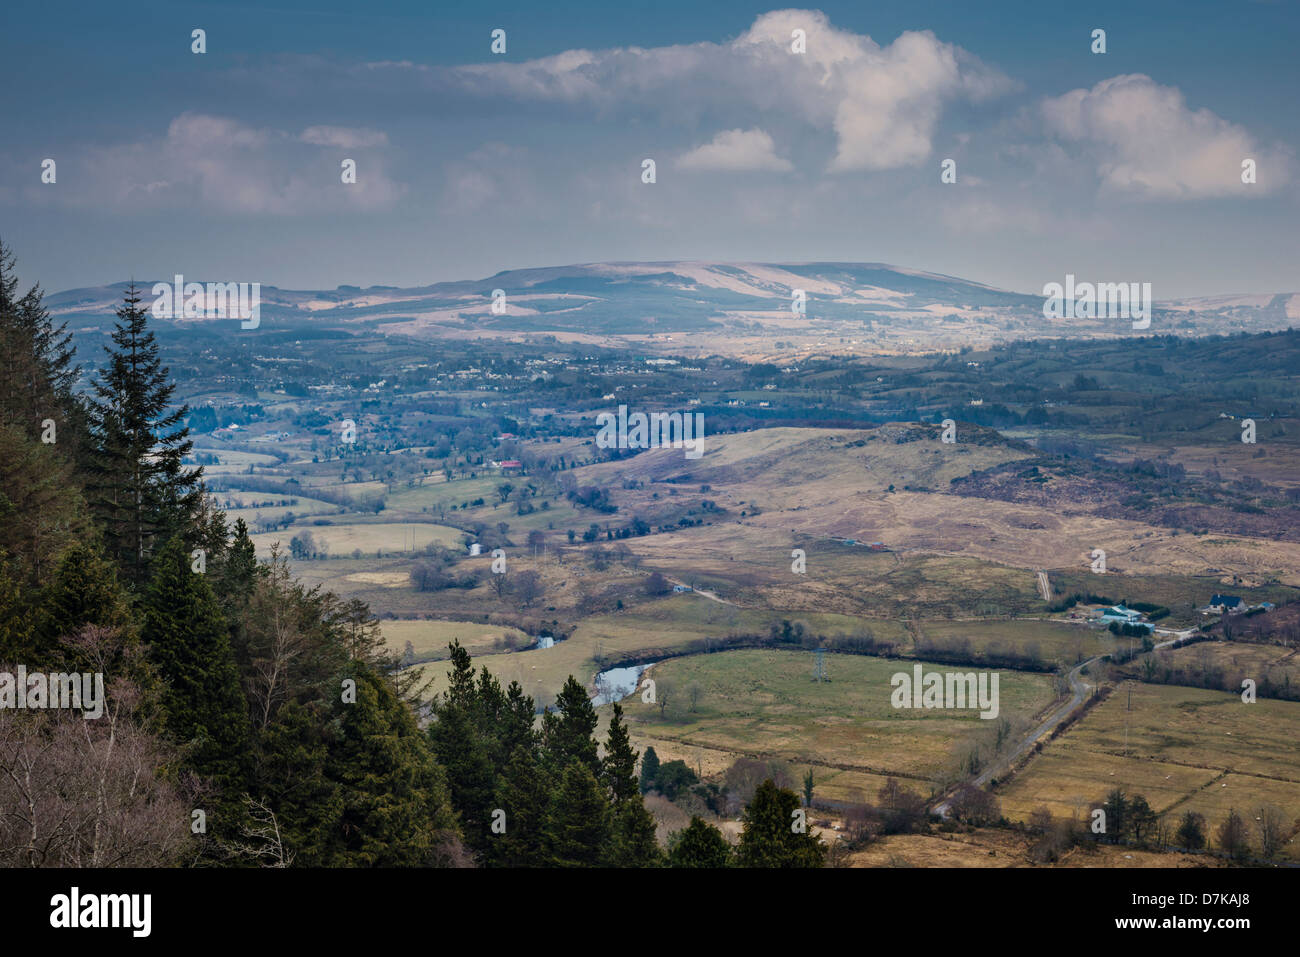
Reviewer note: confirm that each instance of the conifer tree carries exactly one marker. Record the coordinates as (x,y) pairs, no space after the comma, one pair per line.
(517,722)
(567,733)
(84,591)
(462,748)
(769,838)
(632,838)
(42,510)
(632,841)
(41,507)
(139,490)
(203,706)
(618,766)
(395,804)
(290,777)
(579,825)
(238,572)
(524,795)
(37,376)
(649,770)
(15,619)
(700,845)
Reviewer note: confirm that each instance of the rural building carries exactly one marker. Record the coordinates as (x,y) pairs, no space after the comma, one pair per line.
(1222,604)
(1121,614)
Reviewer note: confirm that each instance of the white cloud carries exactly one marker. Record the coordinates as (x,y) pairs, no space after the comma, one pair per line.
(342,137)
(1144,139)
(737,150)
(882,103)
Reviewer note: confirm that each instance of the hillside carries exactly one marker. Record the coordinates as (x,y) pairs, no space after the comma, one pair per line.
(706,307)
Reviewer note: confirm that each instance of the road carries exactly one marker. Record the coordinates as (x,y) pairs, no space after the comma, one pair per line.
(1080,689)
(704,594)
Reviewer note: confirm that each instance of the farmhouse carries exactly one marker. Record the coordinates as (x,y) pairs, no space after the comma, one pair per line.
(1225,604)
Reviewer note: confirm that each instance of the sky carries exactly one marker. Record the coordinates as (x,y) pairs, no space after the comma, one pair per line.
(227,165)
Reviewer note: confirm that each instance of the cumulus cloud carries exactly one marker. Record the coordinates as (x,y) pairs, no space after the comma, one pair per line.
(737,151)
(882,103)
(1145,140)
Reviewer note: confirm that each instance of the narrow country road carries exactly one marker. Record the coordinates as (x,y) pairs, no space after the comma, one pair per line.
(704,594)
(1080,688)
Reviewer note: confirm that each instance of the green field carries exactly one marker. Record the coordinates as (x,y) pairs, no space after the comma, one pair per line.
(765,702)
(429,638)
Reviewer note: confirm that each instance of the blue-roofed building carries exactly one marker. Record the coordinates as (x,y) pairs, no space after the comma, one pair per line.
(1121,614)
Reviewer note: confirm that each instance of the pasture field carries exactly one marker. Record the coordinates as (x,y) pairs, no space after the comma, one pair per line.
(254,514)
(344,537)
(429,638)
(660,628)
(765,702)
(1187,749)
(231,461)
(1064,644)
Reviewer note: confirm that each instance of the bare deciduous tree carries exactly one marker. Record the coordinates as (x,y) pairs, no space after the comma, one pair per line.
(84,793)
(1271,825)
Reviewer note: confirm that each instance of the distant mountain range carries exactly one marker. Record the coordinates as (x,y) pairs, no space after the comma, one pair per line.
(850,304)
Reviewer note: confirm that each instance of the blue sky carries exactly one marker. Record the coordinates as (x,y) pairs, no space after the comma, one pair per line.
(1122,166)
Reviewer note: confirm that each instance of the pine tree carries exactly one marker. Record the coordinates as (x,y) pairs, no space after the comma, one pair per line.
(84,591)
(618,767)
(471,775)
(42,511)
(769,838)
(203,706)
(41,507)
(291,779)
(37,376)
(567,733)
(525,796)
(395,804)
(139,489)
(238,572)
(632,840)
(16,638)
(579,825)
(649,770)
(517,722)
(462,748)
(700,845)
